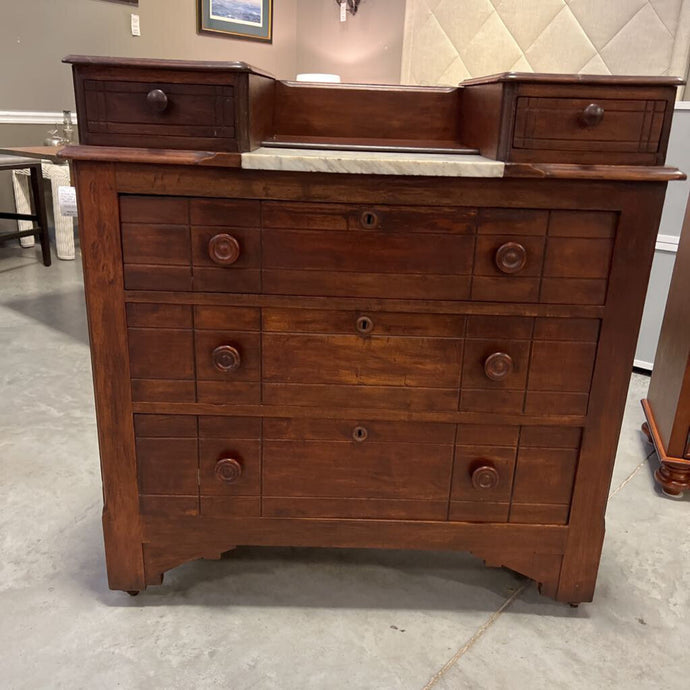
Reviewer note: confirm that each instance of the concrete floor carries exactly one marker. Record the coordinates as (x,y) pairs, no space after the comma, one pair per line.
(293,618)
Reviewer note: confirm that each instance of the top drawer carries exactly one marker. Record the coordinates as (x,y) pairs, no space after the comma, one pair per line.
(611,124)
(585,124)
(389,252)
(554,118)
(156,113)
(171,104)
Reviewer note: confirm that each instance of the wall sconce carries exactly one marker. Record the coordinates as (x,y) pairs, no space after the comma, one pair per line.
(352,5)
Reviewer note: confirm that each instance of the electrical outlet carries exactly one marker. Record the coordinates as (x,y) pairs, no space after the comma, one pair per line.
(136,28)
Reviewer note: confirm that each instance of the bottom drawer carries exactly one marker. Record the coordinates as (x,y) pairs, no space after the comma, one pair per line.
(221,466)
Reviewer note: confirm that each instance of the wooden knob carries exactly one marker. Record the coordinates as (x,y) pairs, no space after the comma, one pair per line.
(592,115)
(228,470)
(157,100)
(226,358)
(223,249)
(360,433)
(511,257)
(364,325)
(485,477)
(498,366)
(369,219)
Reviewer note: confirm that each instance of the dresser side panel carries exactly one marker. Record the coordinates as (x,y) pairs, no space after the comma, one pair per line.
(640,206)
(99,231)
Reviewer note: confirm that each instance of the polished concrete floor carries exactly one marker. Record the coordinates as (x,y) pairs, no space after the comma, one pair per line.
(293,618)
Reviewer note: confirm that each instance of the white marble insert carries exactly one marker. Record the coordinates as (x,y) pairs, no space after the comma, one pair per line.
(372,162)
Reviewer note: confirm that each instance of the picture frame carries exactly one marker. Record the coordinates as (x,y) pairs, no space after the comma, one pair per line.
(248,19)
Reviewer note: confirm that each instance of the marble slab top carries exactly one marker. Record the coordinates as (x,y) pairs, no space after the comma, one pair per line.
(372,162)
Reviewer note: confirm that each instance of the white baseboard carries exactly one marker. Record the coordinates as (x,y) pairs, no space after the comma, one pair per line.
(31,117)
(639,364)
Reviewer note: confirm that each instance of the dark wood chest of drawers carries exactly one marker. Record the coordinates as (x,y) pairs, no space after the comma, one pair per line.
(332,359)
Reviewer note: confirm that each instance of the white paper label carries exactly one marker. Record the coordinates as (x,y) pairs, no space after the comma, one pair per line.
(136,27)
(343,10)
(67,198)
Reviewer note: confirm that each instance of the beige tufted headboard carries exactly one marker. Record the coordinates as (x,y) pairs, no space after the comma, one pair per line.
(447,41)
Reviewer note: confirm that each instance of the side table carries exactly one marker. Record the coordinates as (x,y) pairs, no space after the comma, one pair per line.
(56,170)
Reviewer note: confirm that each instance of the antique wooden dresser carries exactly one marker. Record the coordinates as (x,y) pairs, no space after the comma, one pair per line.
(363,316)
(667,407)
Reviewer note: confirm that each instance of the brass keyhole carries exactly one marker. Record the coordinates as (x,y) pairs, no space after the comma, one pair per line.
(364,325)
(369,219)
(359,433)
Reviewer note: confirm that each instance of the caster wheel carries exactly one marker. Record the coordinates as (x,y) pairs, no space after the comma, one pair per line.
(132,592)
(647,432)
(574,606)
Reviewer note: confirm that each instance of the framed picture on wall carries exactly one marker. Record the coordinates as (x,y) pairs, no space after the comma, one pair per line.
(252,19)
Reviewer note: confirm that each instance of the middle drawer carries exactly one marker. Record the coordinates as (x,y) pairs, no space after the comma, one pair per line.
(368,360)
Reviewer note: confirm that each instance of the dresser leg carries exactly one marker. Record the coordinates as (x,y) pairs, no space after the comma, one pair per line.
(673,479)
(123,554)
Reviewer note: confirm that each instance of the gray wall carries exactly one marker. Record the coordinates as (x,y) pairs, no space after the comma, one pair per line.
(36,34)
(365,48)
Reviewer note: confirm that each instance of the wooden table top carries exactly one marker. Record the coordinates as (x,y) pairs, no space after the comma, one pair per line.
(42,152)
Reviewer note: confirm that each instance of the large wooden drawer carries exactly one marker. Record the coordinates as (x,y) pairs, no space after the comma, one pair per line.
(448,253)
(361,359)
(354,468)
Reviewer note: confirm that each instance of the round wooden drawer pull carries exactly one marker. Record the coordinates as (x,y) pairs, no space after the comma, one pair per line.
(485,477)
(511,257)
(592,115)
(364,325)
(157,100)
(498,366)
(360,433)
(223,249)
(228,470)
(369,220)
(226,358)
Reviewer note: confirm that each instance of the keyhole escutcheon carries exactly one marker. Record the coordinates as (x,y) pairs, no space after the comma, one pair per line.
(369,220)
